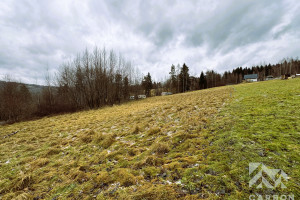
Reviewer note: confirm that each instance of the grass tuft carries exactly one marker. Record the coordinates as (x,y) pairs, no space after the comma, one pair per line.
(160,148)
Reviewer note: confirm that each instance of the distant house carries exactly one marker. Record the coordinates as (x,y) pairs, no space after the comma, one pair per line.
(166,93)
(141,96)
(251,77)
(270,77)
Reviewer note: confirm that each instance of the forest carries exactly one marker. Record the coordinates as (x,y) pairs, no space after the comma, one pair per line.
(101,78)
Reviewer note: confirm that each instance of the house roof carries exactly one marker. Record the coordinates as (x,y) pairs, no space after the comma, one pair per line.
(251,76)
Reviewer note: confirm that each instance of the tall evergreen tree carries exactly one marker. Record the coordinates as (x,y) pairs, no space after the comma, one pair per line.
(126,88)
(202,81)
(147,84)
(173,79)
(184,78)
(118,87)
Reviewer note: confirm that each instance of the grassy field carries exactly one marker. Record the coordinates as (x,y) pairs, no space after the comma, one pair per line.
(196,145)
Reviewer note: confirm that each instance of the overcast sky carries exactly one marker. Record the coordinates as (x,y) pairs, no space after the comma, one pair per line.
(206,34)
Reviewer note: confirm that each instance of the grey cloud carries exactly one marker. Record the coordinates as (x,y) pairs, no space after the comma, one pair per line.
(194,39)
(163,34)
(205,34)
(245,23)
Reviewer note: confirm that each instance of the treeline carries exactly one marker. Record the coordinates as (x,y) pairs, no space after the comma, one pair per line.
(180,80)
(100,78)
(15,102)
(92,80)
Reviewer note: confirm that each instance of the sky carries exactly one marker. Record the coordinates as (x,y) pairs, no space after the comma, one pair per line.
(37,35)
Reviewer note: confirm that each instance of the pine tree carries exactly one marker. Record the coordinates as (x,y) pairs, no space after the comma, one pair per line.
(118,87)
(202,81)
(126,88)
(184,78)
(147,84)
(173,79)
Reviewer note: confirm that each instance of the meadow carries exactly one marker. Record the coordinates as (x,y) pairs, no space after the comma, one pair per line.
(195,145)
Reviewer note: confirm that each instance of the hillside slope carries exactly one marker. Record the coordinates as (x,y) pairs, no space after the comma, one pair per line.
(33,88)
(186,146)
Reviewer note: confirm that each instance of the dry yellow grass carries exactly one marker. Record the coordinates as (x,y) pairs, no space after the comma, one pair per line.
(132,151)
(185,146)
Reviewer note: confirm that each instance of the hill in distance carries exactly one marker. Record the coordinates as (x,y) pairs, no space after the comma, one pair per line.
(33,88)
